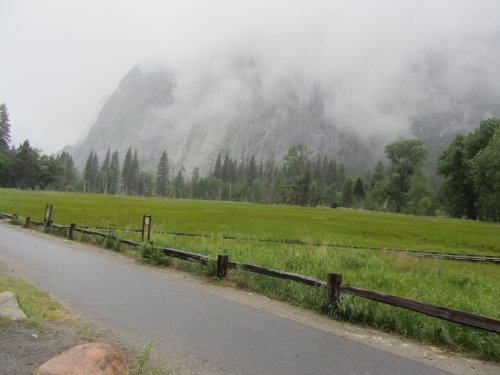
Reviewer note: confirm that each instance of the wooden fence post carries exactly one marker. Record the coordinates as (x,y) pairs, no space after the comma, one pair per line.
(146,223)
(333,282)
(48,215)
(28,222)
(222,260)
(71,231)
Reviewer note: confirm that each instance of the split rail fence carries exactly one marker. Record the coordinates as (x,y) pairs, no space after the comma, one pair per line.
(333,283)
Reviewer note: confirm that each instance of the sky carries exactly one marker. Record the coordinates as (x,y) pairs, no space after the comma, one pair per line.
(61,59)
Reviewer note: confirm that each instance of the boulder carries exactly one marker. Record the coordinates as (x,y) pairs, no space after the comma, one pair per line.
(88,359)
(9,308)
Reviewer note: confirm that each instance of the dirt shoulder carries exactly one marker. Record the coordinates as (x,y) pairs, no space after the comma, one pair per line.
(183,363)
(23,348)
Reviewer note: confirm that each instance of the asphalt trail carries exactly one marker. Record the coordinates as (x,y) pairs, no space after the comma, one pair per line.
(223,333)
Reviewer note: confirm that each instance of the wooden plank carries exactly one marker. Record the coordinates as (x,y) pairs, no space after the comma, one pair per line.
(5,216)
(185,255)
(59,226)
(92,232)
(283,275)
(445,313)
(127,242)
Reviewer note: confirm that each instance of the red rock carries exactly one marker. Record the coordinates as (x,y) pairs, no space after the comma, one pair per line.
(88,359)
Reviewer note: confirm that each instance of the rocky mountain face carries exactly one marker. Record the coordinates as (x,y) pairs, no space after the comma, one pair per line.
(240,114)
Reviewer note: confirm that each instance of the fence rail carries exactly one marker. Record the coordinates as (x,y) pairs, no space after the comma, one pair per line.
(333,282)
(417,253)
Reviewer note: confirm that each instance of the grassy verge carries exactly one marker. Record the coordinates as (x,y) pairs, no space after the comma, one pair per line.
(37,305)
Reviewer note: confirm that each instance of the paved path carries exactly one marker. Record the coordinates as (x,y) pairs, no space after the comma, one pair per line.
(230,336)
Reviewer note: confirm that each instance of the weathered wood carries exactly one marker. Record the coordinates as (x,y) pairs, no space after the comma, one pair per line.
(5,216)
(57,226)
(333,282)
(198,258)
(445,313)
(72,227)
(47,218)
(129,243)
(146,227)
(27,222)
(282,275)
(222,260)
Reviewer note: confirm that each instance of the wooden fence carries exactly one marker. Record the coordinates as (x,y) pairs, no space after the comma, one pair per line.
(333,283)
(417,253)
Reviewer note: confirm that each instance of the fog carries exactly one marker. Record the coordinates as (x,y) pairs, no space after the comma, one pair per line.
(378,62)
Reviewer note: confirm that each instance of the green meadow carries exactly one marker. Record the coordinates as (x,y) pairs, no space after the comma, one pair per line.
(472,287)
(316,224)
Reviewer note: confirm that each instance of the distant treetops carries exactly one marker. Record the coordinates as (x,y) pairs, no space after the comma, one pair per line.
(470,167)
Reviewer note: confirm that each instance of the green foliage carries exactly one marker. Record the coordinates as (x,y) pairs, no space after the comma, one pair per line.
(25,166)
(348,192)
(90,174)
(52,172)
(406,157)
(4,129)
(485,168)
(162,175)
(37,305)
(145,365)
(154,255)
(468,184)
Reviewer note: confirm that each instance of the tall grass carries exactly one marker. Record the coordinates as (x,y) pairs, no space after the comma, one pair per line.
(319,224)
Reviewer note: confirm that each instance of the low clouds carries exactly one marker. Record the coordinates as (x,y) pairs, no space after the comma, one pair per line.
(378,62)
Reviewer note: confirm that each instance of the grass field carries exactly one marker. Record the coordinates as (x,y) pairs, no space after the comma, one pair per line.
(472,287)
(318,224)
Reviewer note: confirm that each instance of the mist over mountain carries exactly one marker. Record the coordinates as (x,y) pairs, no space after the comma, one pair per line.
(246,103)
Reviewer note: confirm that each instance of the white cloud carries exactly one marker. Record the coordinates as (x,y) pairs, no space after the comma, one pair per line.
(60,58)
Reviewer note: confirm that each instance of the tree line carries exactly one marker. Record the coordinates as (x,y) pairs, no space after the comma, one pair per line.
(469,168)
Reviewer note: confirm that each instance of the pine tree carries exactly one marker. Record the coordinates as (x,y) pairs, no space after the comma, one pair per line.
(226,169)
(134,172)
(90,173)
(378,174)
(26,166)
(114,172)
(324,168)
(341,175)
(317,170)
(359,188)
(217,173)
(348,192)
(4,128)
(252,171)
(105,173)
(127,173)
(162,178)
(95,173)
(332,173)
(70,171)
